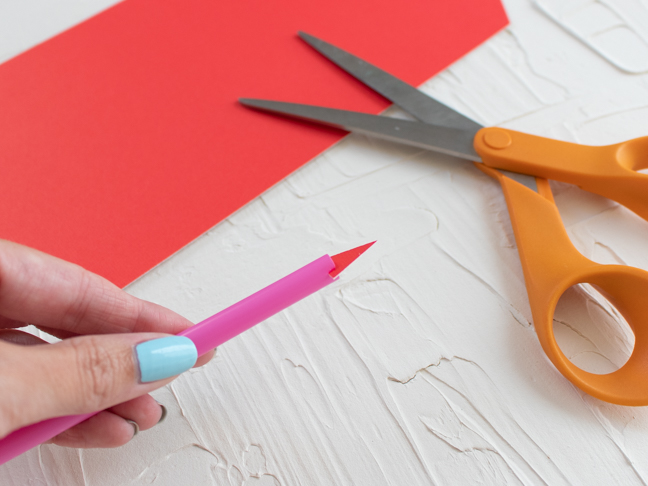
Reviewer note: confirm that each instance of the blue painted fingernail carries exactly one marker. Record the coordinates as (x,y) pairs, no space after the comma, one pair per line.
(165,357)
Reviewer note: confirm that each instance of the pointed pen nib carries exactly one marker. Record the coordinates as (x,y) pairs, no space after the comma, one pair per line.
(346,258)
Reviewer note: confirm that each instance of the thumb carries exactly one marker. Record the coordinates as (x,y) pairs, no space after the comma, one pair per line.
(85,374)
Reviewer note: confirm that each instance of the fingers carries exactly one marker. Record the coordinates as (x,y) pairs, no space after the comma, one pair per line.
(108,430)
(85,374)
(58,333)
(105,429)
(82,373)
(6,323)
(19,337)
(144,411)
(115,426)
(205,358)
(46,291)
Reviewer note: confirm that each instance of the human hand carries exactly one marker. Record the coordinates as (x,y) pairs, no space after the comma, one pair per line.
(98,365)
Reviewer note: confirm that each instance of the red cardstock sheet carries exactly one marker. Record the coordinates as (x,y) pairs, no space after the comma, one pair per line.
(122,140)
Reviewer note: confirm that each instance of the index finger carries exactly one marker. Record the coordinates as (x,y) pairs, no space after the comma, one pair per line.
(46,291)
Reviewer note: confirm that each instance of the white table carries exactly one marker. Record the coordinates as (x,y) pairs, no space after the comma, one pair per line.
(421,365)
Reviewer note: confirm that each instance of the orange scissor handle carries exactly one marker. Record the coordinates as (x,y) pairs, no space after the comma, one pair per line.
(608,170)
(551,265)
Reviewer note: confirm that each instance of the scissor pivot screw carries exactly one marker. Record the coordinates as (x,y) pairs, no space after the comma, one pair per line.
(497,139)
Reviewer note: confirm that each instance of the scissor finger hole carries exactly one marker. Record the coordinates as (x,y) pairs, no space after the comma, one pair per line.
(590,331)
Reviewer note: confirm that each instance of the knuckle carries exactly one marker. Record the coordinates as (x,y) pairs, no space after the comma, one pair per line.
(99,372)
(80,306)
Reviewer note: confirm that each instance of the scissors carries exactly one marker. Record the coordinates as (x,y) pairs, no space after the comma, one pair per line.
(521,163)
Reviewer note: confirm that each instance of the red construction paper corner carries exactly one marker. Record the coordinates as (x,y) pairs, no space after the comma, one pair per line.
(122,140)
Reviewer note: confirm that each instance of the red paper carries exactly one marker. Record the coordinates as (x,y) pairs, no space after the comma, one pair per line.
(121,139)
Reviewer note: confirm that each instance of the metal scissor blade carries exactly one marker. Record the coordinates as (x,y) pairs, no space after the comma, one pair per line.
(452,141)
(416,103)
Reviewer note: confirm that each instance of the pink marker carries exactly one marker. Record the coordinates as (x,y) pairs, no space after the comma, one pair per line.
(210,333)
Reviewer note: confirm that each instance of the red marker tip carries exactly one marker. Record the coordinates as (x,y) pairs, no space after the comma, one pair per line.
(346,258)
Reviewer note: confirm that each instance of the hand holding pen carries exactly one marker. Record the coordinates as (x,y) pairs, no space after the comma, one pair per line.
(67,384)
(116,348)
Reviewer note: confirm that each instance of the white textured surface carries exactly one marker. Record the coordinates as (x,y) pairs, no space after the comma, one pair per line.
(420,366)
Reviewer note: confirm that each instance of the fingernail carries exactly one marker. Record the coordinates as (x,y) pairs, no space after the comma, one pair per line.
(135,427)
(165,357)
(164,413)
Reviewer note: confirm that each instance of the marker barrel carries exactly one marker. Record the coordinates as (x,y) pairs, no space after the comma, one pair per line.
(206,335)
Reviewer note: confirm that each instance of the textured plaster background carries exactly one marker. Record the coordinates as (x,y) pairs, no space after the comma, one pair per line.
(421,364)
